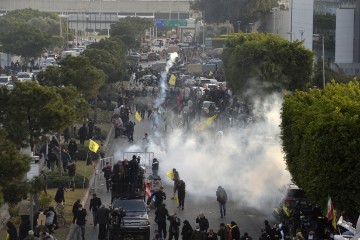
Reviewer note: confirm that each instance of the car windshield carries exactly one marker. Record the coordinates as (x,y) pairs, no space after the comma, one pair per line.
(130,205)
(23,76)
(206,104)
(3,80)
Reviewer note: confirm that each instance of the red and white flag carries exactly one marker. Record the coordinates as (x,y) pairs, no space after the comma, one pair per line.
(330,209)
(148,193)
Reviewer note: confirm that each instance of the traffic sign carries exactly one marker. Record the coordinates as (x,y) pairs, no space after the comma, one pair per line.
(170,23)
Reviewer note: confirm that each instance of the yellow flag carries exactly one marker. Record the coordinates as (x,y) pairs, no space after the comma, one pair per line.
(93,146)
(205,124)
(137,116)
(170,174)
(333,221)
(172,80)
(211,74)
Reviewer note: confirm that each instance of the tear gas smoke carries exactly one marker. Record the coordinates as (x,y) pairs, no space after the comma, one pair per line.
(163,85)
(247,162)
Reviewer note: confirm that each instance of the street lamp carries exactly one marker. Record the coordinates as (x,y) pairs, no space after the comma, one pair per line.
(323,57)
(251,26)
(274,10)
(238,25)
(302,31)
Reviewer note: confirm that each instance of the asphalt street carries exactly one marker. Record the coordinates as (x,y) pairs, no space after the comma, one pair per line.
(248,220)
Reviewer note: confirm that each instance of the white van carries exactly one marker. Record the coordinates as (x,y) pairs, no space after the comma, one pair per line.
(64,54)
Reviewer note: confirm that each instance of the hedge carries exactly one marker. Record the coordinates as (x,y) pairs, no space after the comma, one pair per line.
(54,181)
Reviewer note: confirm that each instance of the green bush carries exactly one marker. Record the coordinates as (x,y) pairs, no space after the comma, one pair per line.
(103,106)
(54,181)
(83,151)
(44,201)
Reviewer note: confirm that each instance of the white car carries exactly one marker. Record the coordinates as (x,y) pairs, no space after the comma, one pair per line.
(24,76)
(4,80)
(183,44)
(48,62)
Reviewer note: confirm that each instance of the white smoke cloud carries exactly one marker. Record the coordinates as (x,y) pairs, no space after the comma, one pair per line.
(247,162)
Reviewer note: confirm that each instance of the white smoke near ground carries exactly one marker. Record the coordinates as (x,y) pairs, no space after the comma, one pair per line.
(248,162)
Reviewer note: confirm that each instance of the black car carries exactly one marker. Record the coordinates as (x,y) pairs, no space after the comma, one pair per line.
(134,223)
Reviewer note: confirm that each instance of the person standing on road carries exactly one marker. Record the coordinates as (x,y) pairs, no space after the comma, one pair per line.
(223,232)
(221,197)
(75,206)
(181,194)
(107,175)
(161,214)
(203,222)
(102,151)
(234,231)
(160,196)
(131,126)
(176,181)
(103,219)
(211,235)
(174,226)
(186,230)
(95,204)
(197,234)
(80,220)
(145,142)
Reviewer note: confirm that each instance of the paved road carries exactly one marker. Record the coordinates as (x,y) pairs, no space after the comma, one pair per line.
(248,219)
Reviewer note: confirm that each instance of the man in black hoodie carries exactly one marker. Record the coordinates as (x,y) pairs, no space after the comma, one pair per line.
(80,220)
(161,214)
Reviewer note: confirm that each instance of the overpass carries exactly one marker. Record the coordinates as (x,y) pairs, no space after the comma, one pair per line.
(100,14)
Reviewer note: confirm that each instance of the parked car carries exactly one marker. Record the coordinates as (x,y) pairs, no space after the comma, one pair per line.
(144,57)
(48,62)
(24,76)
(183,44)
(4,80)
(153,56)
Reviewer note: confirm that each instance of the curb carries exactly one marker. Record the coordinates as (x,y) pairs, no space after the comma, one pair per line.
(88,190)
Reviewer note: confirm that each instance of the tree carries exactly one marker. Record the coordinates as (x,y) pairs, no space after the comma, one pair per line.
(30,111)
(320,134)
(266,62)
(14,165)
(78,71)
(31,31)
(130,30)
(23,40)
(110,64)
(220,11)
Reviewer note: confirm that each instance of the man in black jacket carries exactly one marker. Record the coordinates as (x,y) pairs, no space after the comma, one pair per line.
(174,226)
(102,219)
(160,196)
(80,220)
(107,174)
(203,222)
(95,204)
(134,172)
(161,214)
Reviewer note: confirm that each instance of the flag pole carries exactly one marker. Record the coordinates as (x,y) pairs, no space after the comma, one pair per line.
(87,156)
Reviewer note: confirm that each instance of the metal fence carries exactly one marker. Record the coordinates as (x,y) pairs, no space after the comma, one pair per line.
(145,157)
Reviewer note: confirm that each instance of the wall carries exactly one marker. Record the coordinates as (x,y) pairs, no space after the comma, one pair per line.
(302,15)
(344,40)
